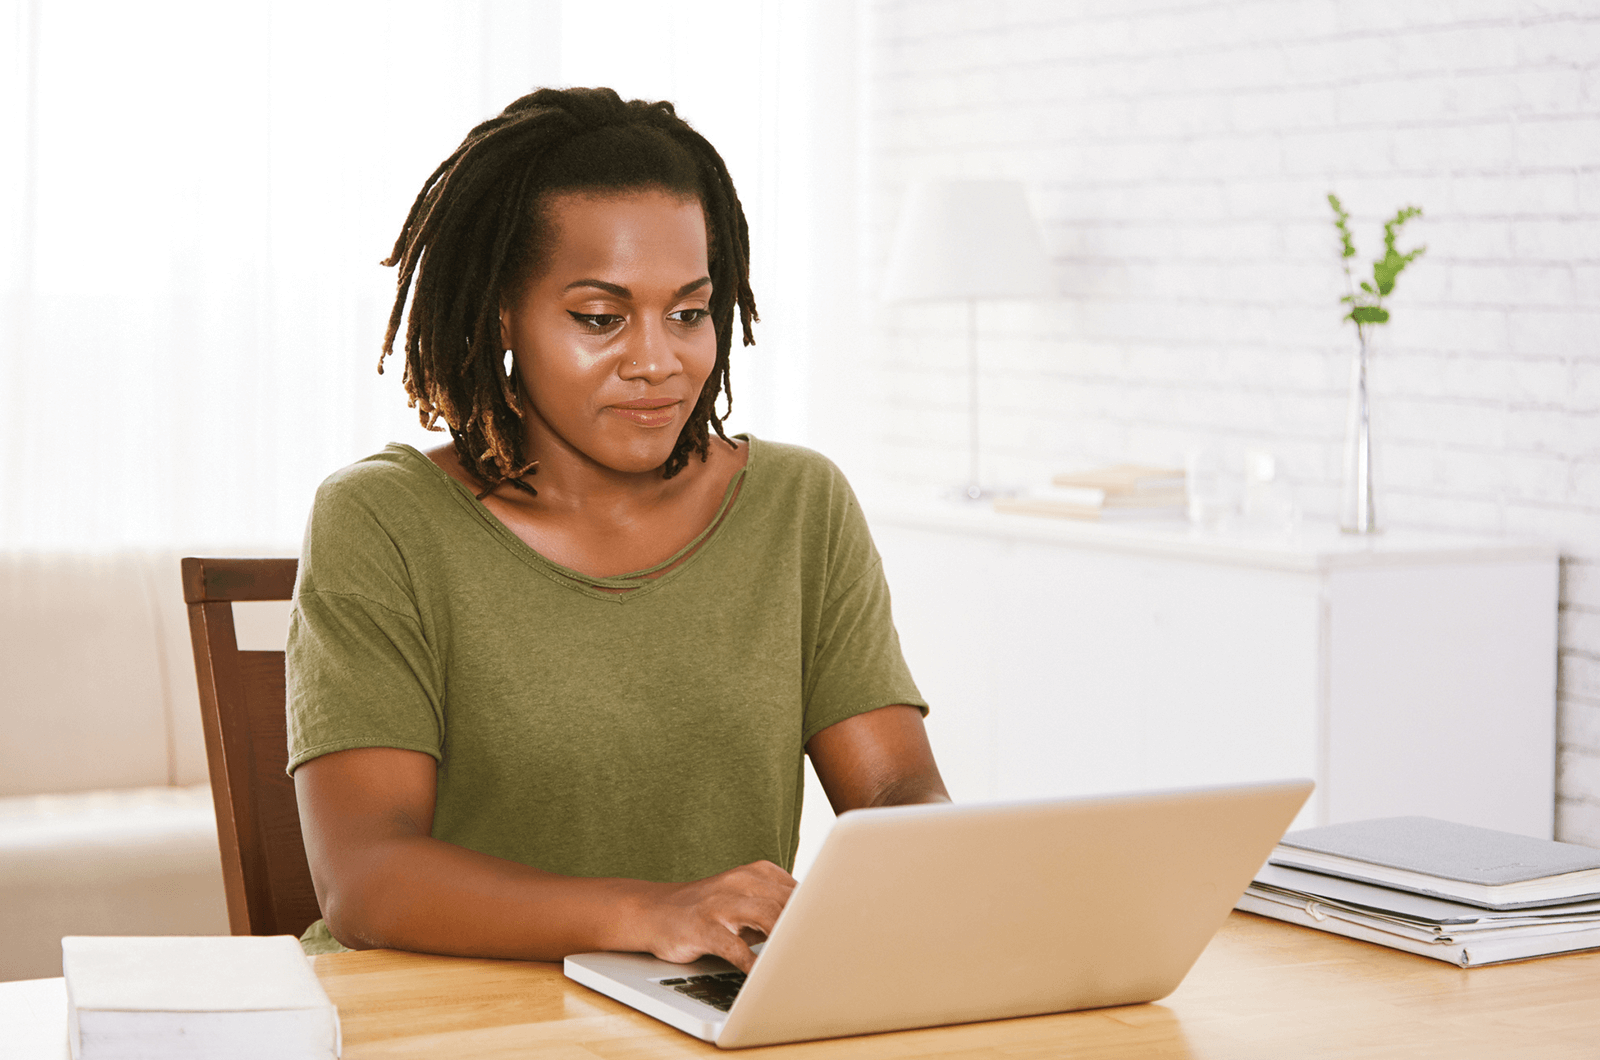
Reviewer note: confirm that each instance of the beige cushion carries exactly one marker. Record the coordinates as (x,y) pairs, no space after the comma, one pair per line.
(100,674)
(135,862)
(86,675)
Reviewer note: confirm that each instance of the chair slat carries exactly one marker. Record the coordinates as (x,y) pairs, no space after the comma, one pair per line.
(206,579)
(264,867)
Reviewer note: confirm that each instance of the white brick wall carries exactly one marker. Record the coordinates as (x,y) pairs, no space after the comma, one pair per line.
(1178,154)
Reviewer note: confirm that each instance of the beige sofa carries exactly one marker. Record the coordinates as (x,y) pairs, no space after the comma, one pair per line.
(106,822)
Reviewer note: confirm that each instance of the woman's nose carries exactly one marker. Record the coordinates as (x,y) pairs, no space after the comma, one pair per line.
(651,354)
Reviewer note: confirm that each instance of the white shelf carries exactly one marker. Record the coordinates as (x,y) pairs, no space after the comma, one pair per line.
(1311,547)
(1407,673)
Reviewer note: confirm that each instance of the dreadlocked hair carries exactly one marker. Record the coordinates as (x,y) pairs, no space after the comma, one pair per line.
(477,232)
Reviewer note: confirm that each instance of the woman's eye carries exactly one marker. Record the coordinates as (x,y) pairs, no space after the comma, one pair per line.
(691,316)
(596,321)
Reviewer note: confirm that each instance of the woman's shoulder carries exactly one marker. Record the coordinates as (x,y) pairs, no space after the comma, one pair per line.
(388,490)
(801,505)
(370,516)
(397,471)
(791,465)
(794,484)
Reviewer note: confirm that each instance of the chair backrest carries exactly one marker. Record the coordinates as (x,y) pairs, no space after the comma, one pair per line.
(242,707)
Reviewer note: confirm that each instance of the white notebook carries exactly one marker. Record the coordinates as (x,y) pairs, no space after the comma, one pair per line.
(195,996)
(1459,862)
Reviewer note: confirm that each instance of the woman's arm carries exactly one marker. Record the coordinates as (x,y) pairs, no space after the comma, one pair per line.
(880,758)
(383,881)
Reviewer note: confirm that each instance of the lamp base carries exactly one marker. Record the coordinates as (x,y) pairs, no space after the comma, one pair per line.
(972,493)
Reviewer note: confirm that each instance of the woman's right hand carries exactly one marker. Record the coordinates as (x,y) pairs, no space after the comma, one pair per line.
(720,915)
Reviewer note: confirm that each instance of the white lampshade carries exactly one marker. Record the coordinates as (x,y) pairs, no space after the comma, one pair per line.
(966,239)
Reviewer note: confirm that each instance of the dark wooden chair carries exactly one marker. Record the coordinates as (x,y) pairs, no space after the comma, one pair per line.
(241,703)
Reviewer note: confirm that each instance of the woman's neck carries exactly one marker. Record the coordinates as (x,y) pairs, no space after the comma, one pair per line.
(605,523)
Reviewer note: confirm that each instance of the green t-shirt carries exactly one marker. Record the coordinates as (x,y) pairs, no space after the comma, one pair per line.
(655,733)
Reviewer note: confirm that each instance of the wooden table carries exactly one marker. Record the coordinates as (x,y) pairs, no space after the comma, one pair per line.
(1262,989)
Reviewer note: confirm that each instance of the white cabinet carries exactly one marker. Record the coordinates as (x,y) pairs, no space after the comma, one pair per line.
(1405,673)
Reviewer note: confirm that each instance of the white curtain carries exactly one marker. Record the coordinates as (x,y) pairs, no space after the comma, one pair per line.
(196,198)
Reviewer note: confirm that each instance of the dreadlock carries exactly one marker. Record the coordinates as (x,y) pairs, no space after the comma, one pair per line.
(477,232)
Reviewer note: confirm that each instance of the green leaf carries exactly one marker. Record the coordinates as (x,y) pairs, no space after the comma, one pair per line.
(1341,221)
(1367,307)
(1384,270)
(1387,268)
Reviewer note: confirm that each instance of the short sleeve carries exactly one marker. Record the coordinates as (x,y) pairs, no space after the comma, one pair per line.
(360,669)
(855,663)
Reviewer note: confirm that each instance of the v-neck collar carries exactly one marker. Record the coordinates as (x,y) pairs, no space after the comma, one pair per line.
(620,587)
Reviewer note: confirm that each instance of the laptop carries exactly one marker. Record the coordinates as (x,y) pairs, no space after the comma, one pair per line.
(919,916)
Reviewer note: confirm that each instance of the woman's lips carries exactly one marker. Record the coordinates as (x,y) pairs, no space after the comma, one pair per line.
(653,413)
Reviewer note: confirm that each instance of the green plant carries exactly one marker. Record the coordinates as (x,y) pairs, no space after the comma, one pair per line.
(1366,304)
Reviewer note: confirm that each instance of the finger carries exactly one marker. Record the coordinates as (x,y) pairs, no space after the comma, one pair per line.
(770,871)
(731,948)
(759,914)
(707,938)
(763,879)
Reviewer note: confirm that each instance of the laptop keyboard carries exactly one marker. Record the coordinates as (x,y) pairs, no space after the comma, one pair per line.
(717,990)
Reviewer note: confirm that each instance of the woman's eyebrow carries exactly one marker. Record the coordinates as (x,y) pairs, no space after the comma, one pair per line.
(622,292)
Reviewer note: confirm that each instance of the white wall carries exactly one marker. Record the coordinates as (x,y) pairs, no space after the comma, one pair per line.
(195,197)
(195,200)
(1178,154)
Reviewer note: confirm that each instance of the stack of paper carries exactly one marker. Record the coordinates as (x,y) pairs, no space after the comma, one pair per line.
(1457,893)
(1126,491)
(190,996)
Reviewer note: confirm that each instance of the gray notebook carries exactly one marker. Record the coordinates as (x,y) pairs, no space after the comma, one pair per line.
(1464,863)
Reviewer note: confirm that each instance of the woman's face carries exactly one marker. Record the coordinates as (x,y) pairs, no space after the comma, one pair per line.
(612,338)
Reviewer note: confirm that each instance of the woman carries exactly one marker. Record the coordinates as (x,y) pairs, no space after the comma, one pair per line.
(550,685)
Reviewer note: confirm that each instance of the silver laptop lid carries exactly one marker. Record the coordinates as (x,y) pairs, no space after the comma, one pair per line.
(918,916)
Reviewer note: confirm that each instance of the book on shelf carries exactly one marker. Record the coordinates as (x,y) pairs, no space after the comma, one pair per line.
(195,996)
(1093,502)
(1126,478)
(1461,934)
(1457,862)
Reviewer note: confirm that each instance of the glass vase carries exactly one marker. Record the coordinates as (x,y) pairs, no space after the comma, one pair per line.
(1355,497)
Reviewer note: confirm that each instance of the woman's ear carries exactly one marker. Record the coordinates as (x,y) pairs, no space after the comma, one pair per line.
(505,327)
